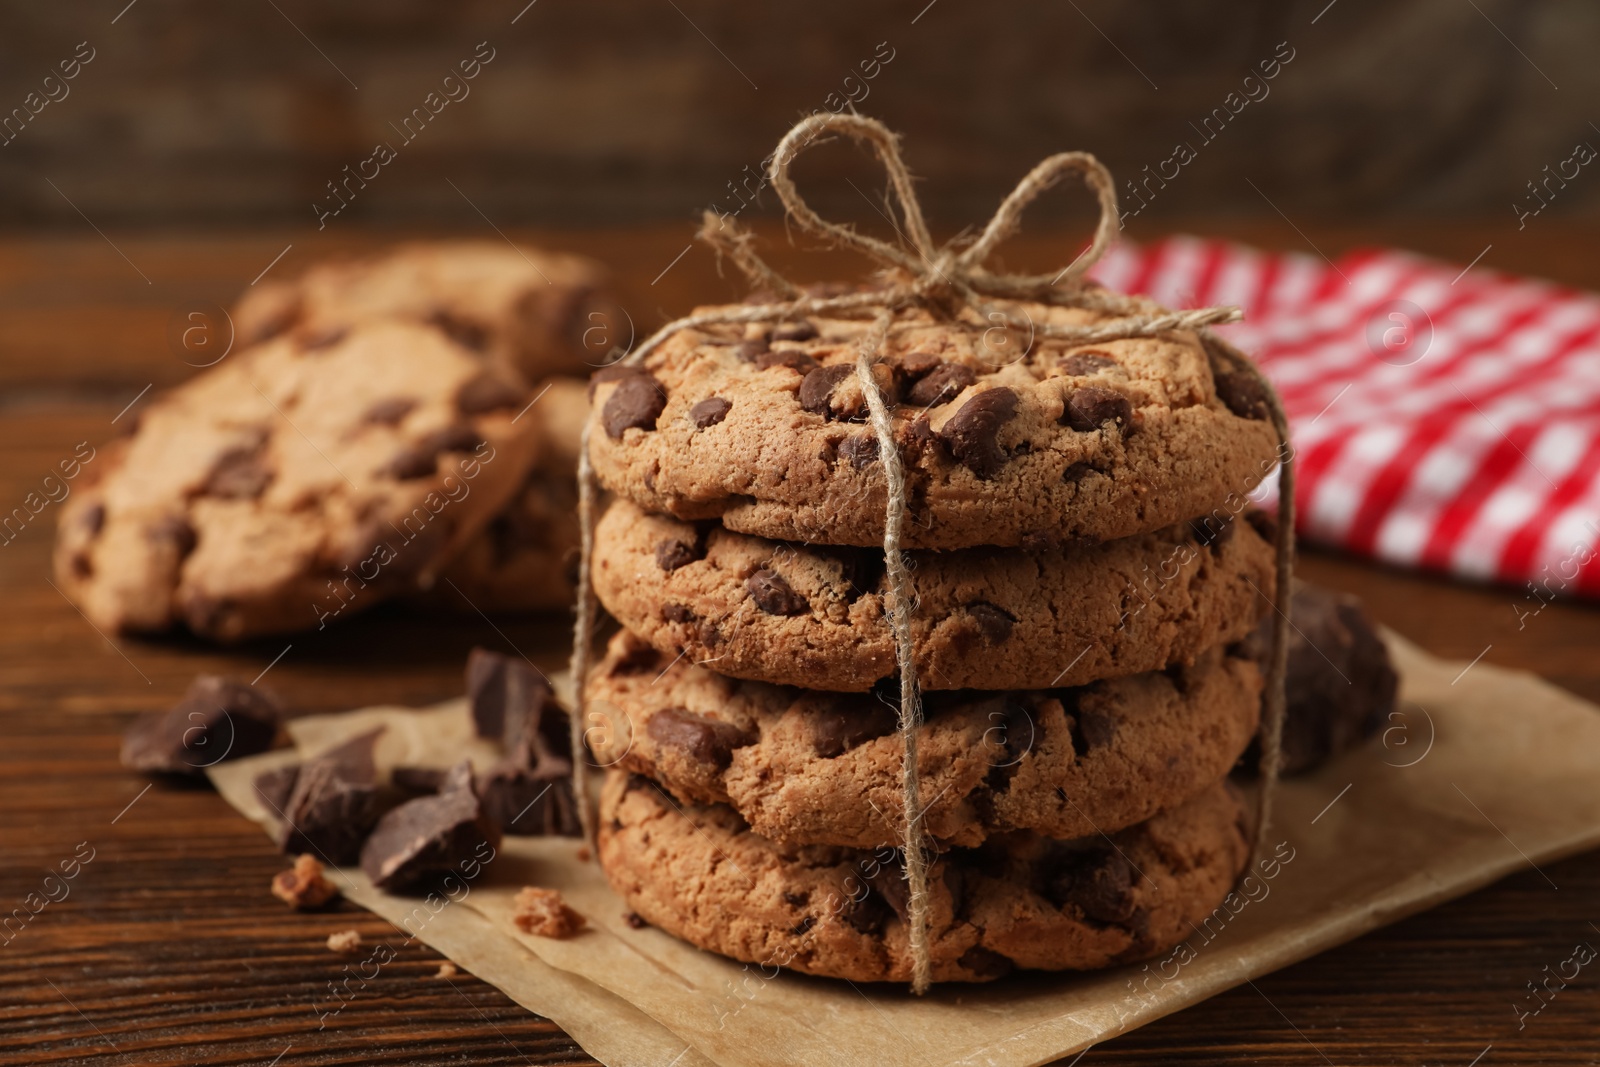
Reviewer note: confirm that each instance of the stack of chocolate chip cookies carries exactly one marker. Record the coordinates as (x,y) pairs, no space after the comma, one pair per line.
(1083,590)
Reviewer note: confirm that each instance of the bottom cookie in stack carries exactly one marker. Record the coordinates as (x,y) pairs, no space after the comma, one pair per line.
(1019,901)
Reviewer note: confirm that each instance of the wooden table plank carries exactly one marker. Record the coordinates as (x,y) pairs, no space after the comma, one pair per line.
(169,949)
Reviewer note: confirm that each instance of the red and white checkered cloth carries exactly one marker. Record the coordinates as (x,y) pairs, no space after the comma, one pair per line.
(1443,419)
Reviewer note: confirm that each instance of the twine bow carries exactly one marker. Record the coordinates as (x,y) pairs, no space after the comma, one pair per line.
(942,279)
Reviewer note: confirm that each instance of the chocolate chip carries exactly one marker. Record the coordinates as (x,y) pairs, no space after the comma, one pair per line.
(1075,472)
(463,331)
(773,595)
(973,433)
(705,740)
(487,392)
(916,364)
(677,613)
(635,920)
(334,803)
(417,779)
(942,383)
(612,372)
(634,404)
(866,911)
(1097,881)
(986,963)
(710,411)
(1082,364)
(1093,405)
(389,412)
(798,362)
(861,569)
(672,554)
(422,459)
(216,720)
(751,350)
(528,802)
(816,390)
(994,622)
(430,836)
(175,529)
(82,566)
(803,927)
(860,451)
(238,474)
(836,731)
(1243,394)
(794,331)
(92,519)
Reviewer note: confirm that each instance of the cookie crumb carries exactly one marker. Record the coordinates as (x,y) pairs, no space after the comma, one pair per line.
(302,886)
(446,970)
(584,855)
(635,920)
(346,941)
(543,913)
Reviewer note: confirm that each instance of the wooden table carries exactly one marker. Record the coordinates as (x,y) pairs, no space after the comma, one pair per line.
(169,948)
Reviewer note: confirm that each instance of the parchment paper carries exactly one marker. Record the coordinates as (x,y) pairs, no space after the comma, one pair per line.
(1478,775)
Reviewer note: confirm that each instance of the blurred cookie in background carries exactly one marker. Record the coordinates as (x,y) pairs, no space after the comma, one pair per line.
(541,312)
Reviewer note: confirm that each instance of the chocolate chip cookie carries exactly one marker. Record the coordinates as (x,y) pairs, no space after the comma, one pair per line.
(1007,439)
(540,312)
(525,559)
(986,618)
(295,484)
(1020,903)
(807,767)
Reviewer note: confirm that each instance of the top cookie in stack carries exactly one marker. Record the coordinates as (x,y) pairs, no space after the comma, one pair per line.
(1078,577)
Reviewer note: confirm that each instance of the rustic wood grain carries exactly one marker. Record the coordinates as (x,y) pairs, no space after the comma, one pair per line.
(170,949)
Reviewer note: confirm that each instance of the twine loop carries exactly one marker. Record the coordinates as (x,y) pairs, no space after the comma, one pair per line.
(944,280)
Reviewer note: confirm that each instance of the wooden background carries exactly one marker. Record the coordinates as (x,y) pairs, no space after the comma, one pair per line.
(196,113)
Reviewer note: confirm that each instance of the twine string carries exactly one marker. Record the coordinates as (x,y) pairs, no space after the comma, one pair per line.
(943,280)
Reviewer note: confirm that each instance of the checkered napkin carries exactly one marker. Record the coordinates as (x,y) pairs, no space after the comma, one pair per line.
(1443,418)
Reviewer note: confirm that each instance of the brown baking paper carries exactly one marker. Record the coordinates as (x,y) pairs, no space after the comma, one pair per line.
(1482,772)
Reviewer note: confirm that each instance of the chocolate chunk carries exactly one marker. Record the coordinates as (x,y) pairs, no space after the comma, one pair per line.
(1341,685)
(1076,472)
(860,450)
(773,595)
(749,351)
(635,920)
(915,364)
(612,372)
(794,331)
(1092,406)
(889,882)
(866,911)
(422,459)
(1092,729)
(835,732)
(986,963)
(334,802)
(973,433)
(1096,880)
(861,569)
(239,474)
(1244,394)
(463,331)
(798,362)
(994,622)
(529,803)
(635,404)
(1082,364)
(677,613)
(92,519)
(512,703)
(710,411)
(803,927)
(942,383)
(217,719)
(705,740)
(672,554)
(176,530)
(487,392)
(274,787)
(431,836)
(816,390)
(389,412)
